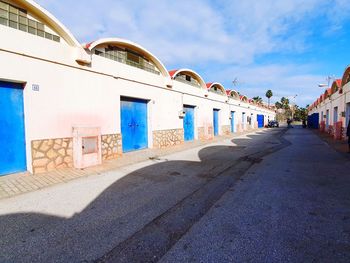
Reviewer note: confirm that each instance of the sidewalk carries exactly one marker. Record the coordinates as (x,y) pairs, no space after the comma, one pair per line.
(15,184)
(340,146)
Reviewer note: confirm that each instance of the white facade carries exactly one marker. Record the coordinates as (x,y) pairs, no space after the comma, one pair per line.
(333,107)
(66,85)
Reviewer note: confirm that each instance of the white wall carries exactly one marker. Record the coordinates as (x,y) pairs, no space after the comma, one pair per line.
(71,94)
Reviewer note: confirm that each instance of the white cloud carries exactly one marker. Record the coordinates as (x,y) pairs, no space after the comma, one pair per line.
(222,38)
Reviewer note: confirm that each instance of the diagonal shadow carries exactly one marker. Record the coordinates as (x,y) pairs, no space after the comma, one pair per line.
(139,217)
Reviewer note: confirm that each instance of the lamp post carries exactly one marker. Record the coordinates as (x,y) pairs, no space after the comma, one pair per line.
(293,105)
(328,79)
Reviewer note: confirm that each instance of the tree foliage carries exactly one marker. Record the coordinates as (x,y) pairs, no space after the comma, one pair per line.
(268,95)
(257,100)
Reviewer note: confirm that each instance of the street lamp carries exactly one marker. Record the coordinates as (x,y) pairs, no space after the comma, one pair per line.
(328,79)
(293,105)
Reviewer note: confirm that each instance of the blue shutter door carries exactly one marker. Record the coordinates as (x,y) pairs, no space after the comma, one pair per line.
(134,127)
(232,121)
(216,122)
(188,123)
(260,119)
(12,134)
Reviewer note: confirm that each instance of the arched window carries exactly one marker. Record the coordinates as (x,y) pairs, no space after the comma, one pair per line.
(19,18)
(126,56)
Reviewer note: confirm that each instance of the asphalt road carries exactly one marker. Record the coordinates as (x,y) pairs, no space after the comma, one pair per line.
(294,206)
(261,198)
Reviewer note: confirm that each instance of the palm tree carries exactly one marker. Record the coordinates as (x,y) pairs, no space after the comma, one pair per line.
(285,103)
(269,95)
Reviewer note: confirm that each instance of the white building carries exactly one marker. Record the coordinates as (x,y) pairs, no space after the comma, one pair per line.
(65,104)
(332,108)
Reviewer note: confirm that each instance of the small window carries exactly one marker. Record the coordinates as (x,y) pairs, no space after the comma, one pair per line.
(32,30)
(31,23)
(13,17)
(48,35)
(13,10)
(40,33)
(23,20)
(40,26)
(188,78)
(4,6)
(4,14)
(13,24)
(3,21)
(56,38)
(133,57)
(90,145)
(23,27)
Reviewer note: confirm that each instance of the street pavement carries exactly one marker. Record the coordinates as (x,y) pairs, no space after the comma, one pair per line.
(292,207)
(82,220)
(273,196)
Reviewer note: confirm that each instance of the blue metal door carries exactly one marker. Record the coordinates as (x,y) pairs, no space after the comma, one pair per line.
(188,123)
(12,136)
(216,122)
(232,121)
(134,126)
(260,119)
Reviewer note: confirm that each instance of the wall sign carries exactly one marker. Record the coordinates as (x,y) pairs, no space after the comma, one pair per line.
(35,87)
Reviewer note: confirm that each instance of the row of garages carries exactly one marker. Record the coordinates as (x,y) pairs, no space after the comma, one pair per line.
(331,111)
(65,104)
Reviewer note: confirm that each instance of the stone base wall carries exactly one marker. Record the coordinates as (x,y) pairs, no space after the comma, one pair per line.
(51,154)
(330,130)
(226,129)
(205,133)
(166,138)
(201,134)
(111,146)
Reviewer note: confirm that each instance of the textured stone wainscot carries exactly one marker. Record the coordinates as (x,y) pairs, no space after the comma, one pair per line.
(51,154)
(205,133)
(226,129)
(111,146)
(166,138)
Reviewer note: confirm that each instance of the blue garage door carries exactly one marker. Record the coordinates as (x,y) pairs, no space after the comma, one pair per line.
(134,124)
(12,138)
(216,122)
(260,119)
(189,123)
(232,121)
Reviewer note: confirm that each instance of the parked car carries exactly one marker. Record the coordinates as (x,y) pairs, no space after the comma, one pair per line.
(273,124)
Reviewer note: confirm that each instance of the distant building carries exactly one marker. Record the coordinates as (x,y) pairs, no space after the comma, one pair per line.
(332,108)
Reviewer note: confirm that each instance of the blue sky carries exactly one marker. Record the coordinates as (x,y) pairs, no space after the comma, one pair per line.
(287,46)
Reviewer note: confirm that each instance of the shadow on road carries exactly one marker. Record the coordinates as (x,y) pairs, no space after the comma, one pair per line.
(139,217)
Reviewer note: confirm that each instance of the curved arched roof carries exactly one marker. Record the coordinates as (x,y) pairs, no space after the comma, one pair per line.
(336,85)
(328,92)
(232,92)
(243,98)
(321,98)
(48,19)
(132,46)
(217,84)
(195,75)
(346,77)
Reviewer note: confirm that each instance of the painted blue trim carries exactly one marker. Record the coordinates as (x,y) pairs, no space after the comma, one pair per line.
(12,130)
